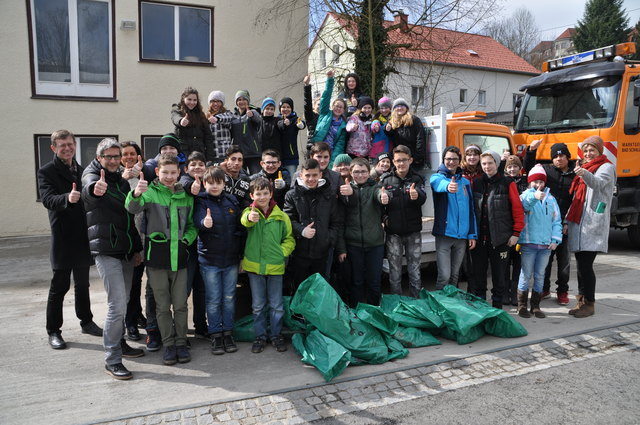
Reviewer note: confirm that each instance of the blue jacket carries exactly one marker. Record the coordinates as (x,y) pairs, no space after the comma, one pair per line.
(542,219)
(454,212)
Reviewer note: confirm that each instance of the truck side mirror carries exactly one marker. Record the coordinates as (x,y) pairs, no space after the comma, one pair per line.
(516,110)
(636,92)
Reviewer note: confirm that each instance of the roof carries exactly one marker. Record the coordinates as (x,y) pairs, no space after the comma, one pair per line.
(542,46)
(449,47)
(568,33)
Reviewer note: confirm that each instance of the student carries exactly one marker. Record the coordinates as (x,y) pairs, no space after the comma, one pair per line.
(500,220)
(169,144)
(342,166)
(331,125)
(236,180)
(402,192)
(270,132)
(245,131)
(220,124)
(405,129)
(380,141)
(541,234)
(471,171)
(276,174)
(351,92)
(289,124)
(381,165)
(321,152)
(170,230)
(191,125)
(217,216)
(269,243)
(359,127)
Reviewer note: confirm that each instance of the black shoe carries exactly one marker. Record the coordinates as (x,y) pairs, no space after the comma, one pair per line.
(217,344)
(170,355)
(279,343)
(92,329)
(258,345)
(154,341)
(201,335)
(183,354)
(133,333)
(130,352)
(229,344)
(56,342)
(118,371)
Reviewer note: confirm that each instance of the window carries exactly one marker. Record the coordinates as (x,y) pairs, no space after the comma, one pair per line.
(494,143)
(150,146)
(631,112)
(463,95)
(176,33)
(72,48)
(336,53)
(417,96)
(482,97)
(323,58)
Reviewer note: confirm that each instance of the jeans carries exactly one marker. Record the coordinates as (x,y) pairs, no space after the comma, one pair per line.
(134,307)
(412,244)
(564,260)
(366,273)
(60,284)
(117,276)
(195,283)
(586,275)
(170,289)
(534,259)
(220,296)
(266,289)
(484,255)
(449,256)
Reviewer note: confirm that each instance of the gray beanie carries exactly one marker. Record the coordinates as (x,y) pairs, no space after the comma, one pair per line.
(400,102)
(216,95)
(494,154)
(242,93)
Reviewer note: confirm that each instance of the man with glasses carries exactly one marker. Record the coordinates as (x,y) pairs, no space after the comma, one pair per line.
(454,225)
(115,244)
(273,171)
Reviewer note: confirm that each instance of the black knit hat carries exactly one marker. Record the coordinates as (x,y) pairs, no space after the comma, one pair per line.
(560,149)
(365,100)
(288,101)
(169,139)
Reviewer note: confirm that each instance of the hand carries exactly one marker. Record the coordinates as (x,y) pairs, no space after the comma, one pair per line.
(453,186)
(413,193)
(579,170)
(137,167)
(306,80)
(141,187)
(253,217)
(137,259)
(74,195)
(100,188)
(346,189)
(207,221)
(342,257)
(309,232)
(249,112)
(300,124)
(184,121)
(384,196)
(539,195)
(565,229)
(534,145)
(287,121)
(129,173)
(196,186)
(213,119)
(553,246)
(472,243)
(513,240)
(330,73)
(505,155)
(354,101)
(279,183)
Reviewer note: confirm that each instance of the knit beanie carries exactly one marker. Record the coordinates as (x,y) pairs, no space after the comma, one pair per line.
(169,139)
(595,141)
(216,95)
(513,160)
(268,101)
(343,158)
(365,100)
(400,102)
(560,149)
(385,101)
(494,154)
(472,147)
(537,173)
(244,94)
(381,156)
(288,101)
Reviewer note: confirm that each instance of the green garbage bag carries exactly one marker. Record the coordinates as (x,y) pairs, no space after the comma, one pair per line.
(325,354)
(375,316)
(414,337)
(243,329)
(291,322)
(410,312)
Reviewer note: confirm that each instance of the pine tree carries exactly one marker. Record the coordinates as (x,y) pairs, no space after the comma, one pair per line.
(604,23)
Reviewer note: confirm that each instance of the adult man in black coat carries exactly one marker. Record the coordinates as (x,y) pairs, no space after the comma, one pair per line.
(59,185)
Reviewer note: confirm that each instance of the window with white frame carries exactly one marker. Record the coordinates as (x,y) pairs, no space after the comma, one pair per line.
(323,58)
(417,96)
(336,53)
(463,95)
(72,46)
(482,97)
(176,33)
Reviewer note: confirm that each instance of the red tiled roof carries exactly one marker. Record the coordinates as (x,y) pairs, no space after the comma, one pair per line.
(542,46)
(568,33)
(451,48)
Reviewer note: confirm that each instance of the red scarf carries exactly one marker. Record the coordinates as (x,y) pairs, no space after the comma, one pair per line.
(579,189)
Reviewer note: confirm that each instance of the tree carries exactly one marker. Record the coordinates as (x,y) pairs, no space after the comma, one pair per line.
(604,23)
(519,32)
(635,37)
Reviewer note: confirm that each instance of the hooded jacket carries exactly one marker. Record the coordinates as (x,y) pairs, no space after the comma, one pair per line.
(404,215)
(271,134)
(359,143)
(363,217)
(323,125)
(289,133)
(542,220)
(413,137)
(245,132)
(454,214)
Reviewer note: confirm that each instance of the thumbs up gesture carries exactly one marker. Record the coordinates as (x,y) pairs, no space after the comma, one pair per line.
(300,124)
(213,119)
(100,188)
(208,221)
(196,186)
(354,101)
(413,193)
(453,186)
(309,232)
(254,217)
(74,195)
(384,196)
(249,112)
(137,167)
(287,121)
(279,183)
(184,121)
(141,186)
(346,189)
(539,195)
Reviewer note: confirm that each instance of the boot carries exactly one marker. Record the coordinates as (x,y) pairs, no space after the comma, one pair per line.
(580,302)
(535,305)
(587,309)
(217,344)
(506,294)
(522,304)
(514,292)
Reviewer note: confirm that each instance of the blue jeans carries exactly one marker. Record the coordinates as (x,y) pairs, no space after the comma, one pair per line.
(534,259)
(266,289)
(220,296)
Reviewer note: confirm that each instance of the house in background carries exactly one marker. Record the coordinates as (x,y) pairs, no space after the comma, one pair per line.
(442,68)
(113,68)
(545,50)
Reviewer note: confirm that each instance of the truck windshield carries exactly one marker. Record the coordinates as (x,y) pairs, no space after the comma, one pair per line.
(570,106)
(493,143)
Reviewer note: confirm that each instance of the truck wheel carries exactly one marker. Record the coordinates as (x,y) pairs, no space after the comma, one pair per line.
(633,232)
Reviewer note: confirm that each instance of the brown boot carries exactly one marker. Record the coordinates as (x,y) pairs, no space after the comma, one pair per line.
(535,305)
(580,301)
(522,304)
(587,309)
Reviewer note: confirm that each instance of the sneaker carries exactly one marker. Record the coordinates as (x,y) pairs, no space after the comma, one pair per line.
(170,356)
(279,343)
(130,352)
(118,371)
(92,329)
(154,341)
(182,353)
(229,344)
(545,295)
(258,345)
(563,298)
(217,345)
(133,334)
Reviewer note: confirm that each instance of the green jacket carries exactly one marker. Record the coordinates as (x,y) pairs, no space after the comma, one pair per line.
(169,225)
(363,218)
(269,242)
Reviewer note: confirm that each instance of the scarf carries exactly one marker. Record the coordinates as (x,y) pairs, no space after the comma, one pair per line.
(579,189)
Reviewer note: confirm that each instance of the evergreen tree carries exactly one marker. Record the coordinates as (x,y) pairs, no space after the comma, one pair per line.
(604,23)
(635,31)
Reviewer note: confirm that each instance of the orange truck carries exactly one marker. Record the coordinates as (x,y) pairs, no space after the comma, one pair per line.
(590,93)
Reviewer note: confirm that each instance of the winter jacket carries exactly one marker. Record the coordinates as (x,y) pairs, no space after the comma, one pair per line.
(69,241)
(359,143)
(380,141)
(363,216)
(278,194)
(404,215)
(220,245)
(290,138)
(111,229)
(149,168)
(454,215)
(592,233)
(521,183)
(542,220)
(238,187)
(169,221)
(187,181)
(310,117)
(271,134)
(194,137)
(269,242)
(246,133)
(323,124)
(221,132)
(413,137)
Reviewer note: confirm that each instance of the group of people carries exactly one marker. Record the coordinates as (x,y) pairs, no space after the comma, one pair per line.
(228,192)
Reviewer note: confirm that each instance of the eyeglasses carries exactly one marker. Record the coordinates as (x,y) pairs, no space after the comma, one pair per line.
(452,159)
(271,162)
(111,157)
(359,172)
(400,161)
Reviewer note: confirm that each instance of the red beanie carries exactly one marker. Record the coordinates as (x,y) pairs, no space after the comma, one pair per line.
(537,173)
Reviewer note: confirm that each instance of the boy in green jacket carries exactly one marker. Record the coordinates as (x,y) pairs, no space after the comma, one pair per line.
(168,213)
(269,242)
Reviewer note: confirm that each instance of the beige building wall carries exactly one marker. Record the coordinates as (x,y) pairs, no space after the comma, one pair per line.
(253,49)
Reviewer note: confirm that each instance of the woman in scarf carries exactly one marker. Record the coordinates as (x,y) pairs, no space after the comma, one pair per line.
(588,218)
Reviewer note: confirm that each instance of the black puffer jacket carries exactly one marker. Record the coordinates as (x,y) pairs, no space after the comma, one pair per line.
(111,228)
(404,216)
(558,182)
(413,137)
(271,134)
(194,137)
